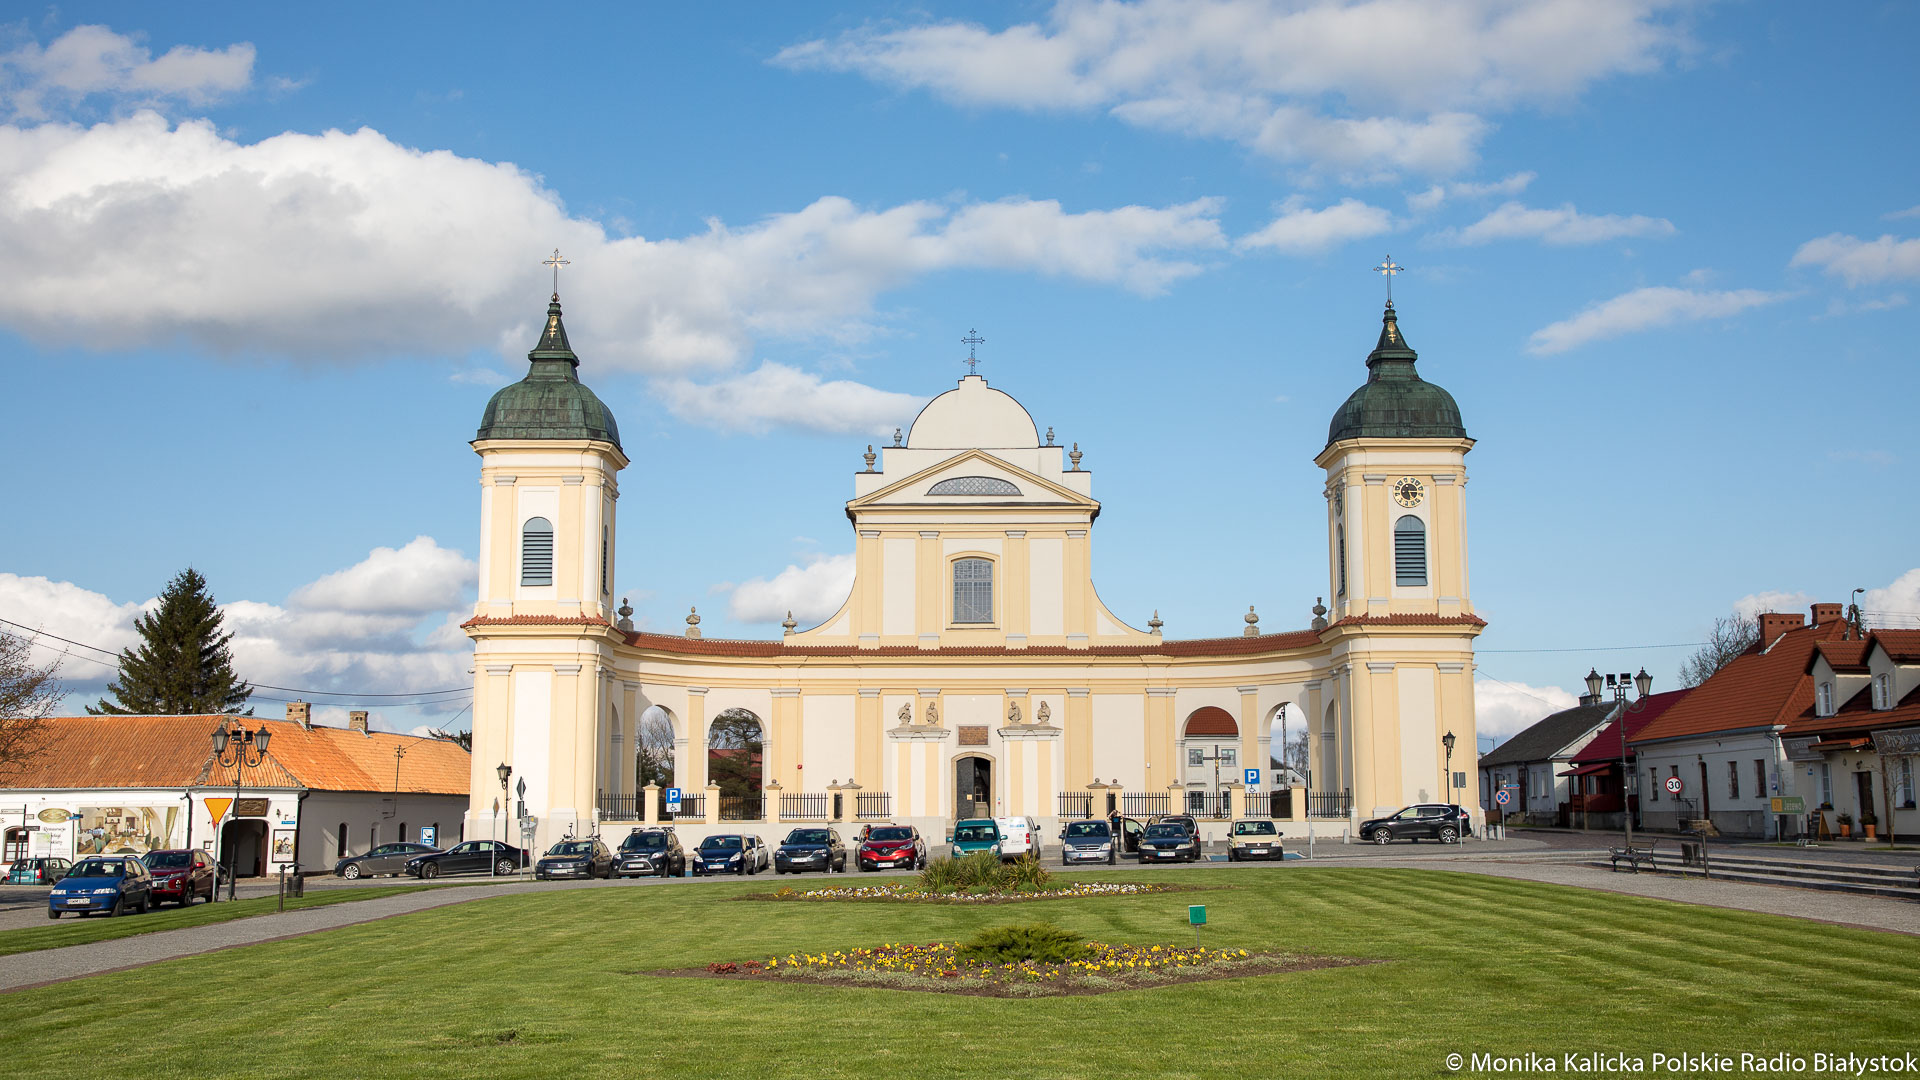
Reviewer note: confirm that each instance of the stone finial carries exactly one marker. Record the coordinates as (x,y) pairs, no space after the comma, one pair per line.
(693,622)
(787,624)
(1049,434)
(626,616)
(869,455)
(1044,714)
(1154,624)
(896,436)
(1253,623)
(1319,613)
(1074,455)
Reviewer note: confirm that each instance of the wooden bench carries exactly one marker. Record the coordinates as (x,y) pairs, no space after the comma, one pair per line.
(1640,851)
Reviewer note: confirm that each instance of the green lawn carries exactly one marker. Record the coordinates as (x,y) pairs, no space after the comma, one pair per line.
(546,985)
(74,930)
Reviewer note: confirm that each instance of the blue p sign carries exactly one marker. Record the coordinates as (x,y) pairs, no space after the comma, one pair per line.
(1253,777)
(673,798)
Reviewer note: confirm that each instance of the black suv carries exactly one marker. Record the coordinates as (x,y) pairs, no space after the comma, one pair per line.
(810,849)
(651,851)
(571,858)
(1444,822)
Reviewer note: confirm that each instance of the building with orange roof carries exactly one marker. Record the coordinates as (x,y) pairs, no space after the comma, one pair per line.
(1854,744)
(136,783)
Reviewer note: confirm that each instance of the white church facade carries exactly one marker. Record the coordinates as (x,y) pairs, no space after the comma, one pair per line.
(973,668)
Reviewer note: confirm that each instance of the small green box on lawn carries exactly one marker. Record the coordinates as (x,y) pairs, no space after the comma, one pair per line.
(1197,914)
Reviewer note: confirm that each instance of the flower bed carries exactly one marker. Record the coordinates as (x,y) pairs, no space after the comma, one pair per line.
(941,967)
(911,893)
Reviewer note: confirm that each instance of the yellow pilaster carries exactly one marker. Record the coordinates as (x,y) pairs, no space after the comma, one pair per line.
(1250,757)
(1079,737)
(568,574)
(867,739)
(1016,598)
(694,771)
(1160,749)
(929,604)
(785,751)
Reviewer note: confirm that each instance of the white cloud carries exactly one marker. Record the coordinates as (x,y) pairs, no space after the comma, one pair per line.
(1349,84)
(136,232)
(1837,306)
(1747,607)
(1503,709)
(812,592)
(775,395)
(92,60)
(1299,229)
(1911,211)
(1861,262)
(389,624)
(1564,225)
(1900,600)
(1439,193)
(1643,309)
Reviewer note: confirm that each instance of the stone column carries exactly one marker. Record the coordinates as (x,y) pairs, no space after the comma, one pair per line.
(696,765)
(650,811)
(770,796)
(712,814)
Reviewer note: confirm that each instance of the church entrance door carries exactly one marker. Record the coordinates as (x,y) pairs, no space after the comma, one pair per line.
(972,787)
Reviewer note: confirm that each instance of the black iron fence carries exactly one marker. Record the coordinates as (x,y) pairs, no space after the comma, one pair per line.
(1210,804)
(693,807)
(804,806)
(873,804)
(1330,804)
(619,807)
(1076,804)
(743,807)
(1144,804)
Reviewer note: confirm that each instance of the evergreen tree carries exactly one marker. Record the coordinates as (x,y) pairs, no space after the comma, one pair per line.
(183,666)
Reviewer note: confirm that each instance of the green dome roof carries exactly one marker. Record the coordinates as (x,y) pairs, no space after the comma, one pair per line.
(1395,402)
(551,402)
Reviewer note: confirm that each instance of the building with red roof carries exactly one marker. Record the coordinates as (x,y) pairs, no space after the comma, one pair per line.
(1852,746)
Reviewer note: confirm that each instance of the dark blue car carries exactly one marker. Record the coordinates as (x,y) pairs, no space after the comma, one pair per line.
(115,884)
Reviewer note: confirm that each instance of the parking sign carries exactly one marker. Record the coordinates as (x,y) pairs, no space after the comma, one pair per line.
(1253,777)
(429,836)
(673,800)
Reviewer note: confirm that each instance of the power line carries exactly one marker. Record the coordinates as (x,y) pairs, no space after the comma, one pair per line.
(1615,648)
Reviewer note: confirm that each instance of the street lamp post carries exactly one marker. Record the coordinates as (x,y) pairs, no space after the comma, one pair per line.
(1447,741)
(505,772)
(1618,684)
(248,750)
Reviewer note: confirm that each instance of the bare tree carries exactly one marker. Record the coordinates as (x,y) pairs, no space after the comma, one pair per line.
(464,739)
(29,693)
(1731,636)
(653,750)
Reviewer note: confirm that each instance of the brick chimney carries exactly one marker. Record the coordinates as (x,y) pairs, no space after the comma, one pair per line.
(1774,623)
(357,721)
(300,713)
(1826,613)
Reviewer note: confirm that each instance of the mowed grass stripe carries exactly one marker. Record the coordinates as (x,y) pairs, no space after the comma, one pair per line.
(539,985)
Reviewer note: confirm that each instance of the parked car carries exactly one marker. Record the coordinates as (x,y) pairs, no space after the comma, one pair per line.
(1254,838)
(810,849)
(730,853)
(1018,836)
(385,859)
(587,858)
(1185,821)
(1087,841)
(1168,841)
(114,884)
(1437,821)
(37,871)
(974,834)
(180,874)
(891,847)
(1127,832)
(471,857)
(650,851)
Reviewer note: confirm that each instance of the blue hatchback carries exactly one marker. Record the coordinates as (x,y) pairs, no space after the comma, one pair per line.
(115,884)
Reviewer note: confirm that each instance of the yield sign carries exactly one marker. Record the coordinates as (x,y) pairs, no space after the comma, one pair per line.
(218,808)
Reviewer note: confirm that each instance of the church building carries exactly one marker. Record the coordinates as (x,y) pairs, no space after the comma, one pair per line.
(973,668)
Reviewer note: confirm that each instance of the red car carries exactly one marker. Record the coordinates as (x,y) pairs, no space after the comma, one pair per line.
(890,847)
(180,875)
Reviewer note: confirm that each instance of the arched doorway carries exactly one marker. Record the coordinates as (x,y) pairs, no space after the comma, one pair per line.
(243,847)
(653,748)
(972,786)
(736,743)
(1210,750)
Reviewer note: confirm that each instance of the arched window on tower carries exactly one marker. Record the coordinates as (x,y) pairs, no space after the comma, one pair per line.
(1340,556)
(1409,551)
(536,552)
(973,590)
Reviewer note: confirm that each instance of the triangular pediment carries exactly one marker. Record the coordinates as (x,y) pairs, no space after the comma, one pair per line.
(974,478)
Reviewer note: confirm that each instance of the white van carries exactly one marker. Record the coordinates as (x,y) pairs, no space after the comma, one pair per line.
(1019,836)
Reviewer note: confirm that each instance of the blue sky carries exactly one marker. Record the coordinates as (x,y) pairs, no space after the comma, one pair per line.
(265,271)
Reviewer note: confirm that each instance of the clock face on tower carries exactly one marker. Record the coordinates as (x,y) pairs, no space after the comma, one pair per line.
(1408,491)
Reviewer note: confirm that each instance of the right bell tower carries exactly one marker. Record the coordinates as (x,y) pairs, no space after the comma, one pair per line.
(1396,477)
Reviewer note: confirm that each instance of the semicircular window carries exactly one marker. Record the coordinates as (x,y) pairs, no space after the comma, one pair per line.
(973,485)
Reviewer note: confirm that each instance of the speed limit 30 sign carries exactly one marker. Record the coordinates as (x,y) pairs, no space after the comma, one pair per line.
(1674,784)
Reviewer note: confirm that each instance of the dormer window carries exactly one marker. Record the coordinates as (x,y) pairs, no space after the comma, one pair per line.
(1883,691)
(1823,699)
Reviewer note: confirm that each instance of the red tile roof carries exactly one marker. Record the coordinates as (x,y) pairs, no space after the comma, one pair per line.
(1605,746)
(1903,646)
(1848,656)
(1758,688)
(1858,714)
(1211,720)
(176,752)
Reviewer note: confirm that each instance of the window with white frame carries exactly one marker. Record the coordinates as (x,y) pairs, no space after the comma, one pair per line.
(1883,691)
(1904,796)
(536,552)
(1409,551)
(1823,699)
(1826,784)
(973,590)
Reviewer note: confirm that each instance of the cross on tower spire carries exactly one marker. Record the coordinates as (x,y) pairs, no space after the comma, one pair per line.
(1386,270)
(556,262)
(973,338)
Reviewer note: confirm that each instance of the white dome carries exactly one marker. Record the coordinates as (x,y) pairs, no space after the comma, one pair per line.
(973,416)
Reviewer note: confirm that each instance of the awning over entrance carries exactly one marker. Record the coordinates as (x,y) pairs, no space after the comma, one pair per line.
(1585,770)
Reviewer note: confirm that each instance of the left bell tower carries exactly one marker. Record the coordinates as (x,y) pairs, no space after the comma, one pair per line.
(550,458)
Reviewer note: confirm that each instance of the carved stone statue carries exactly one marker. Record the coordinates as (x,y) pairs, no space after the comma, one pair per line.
(1013,713)
(906,713)
(933,714)
(1044,715)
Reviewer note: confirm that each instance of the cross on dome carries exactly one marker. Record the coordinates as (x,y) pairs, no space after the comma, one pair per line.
(1387,269)
(973,338)
(556,261)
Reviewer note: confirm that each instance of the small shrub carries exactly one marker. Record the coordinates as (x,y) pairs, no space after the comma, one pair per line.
(1027,875)
(1041,942)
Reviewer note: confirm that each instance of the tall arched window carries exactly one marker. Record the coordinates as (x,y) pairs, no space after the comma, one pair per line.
(1340,556)
(340,842)
(536,552)
(973,590)
(1409,551)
